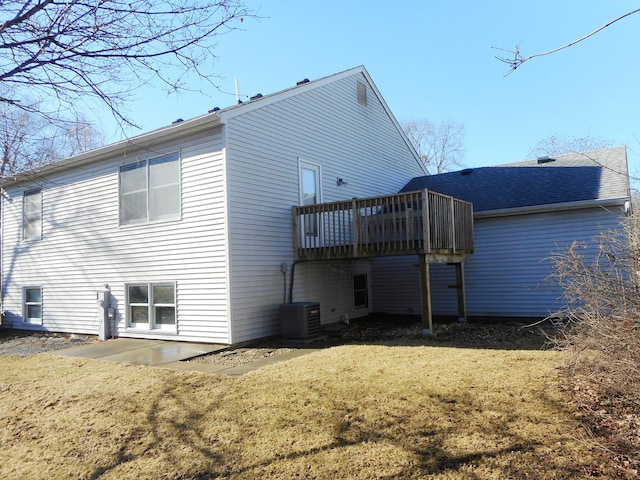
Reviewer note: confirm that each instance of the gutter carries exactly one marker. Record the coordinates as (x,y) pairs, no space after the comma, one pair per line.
(507,212)
(127,146)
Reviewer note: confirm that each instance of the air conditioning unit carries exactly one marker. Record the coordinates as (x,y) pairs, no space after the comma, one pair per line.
(300,320)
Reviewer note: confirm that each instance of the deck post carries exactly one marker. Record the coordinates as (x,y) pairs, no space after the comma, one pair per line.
(356,226)
(425,221)
(460,290)
(453,225)
(425,295)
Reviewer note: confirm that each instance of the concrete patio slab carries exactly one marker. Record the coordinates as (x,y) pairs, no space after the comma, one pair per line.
(140,352)
(171,355)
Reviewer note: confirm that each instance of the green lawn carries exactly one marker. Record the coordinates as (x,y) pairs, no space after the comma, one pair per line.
(366,411)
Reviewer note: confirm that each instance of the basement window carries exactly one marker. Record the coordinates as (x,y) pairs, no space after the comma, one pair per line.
(151,306)
(360,291)
(32,215)
(150,190)
(32,305)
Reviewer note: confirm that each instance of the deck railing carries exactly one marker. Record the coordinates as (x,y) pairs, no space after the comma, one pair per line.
(421,222)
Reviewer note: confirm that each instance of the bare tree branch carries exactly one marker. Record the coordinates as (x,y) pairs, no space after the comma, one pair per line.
(560,144)
(78,50)
(587,147)
(516,59)
(440,146)
(28,140)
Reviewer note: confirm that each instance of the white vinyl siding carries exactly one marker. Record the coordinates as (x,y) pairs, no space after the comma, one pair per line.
(510,273)
(325,126)
(396,285)
(83,248)
(331,285)
(238,183)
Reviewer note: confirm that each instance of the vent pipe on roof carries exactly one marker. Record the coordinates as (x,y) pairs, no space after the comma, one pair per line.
(238,92)
(545,159)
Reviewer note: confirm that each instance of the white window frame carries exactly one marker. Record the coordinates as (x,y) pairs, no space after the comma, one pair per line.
(145,163)
(37,210)
(26,304)
(365,290)
(151,325)
(309,239)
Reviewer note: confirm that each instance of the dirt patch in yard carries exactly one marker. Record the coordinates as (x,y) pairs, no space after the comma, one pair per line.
(23,343)
(378,330)
(394,331)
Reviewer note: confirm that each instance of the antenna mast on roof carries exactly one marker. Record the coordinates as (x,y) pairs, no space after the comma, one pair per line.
(237,91)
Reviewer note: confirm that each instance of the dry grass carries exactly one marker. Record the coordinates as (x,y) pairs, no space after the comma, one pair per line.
(346,412)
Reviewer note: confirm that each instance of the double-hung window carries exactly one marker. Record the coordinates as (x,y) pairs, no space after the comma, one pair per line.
(32,215)
(150,190)
(32,304)
(152,306)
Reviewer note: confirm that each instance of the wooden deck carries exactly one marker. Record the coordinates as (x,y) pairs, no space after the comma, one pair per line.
(440,227)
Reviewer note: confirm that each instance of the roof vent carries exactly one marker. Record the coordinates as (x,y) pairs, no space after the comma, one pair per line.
(545,159)
(214,109)
(466,171)
(256,96)
(362,93)
(177,120)
(302,82)
(239,101)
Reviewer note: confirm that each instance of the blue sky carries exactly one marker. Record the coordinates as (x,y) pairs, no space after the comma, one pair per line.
(434,60)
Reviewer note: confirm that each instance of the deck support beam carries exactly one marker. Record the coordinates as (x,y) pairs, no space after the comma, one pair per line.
(425,296)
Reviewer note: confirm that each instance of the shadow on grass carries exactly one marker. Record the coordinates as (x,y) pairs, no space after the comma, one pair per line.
(433,433)
(426,440)
(172,423)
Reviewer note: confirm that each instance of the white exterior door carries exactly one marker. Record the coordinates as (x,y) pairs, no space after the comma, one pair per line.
(310,194)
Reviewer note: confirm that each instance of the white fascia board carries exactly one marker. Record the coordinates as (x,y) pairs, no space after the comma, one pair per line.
(127,146)
(270,99)
(394,120)
(507,212)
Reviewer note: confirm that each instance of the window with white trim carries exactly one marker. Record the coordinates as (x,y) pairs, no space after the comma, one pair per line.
(360,291)
(151,306)
(32,215)
(32,305)
(150,190)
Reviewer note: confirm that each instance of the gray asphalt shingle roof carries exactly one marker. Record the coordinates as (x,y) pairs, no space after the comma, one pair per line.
(595,176)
